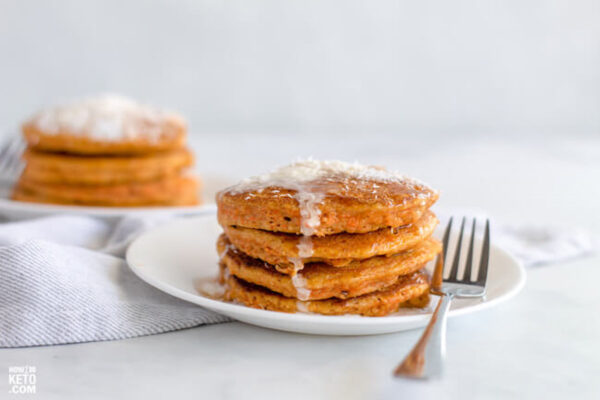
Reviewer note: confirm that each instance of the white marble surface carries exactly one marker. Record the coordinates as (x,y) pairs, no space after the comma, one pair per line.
(542,344)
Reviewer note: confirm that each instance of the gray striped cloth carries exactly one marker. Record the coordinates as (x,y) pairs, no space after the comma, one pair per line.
(62,280)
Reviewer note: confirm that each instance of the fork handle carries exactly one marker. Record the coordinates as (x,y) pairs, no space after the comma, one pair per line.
(426,359)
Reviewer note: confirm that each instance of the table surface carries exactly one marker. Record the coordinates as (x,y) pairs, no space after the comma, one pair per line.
(542,344)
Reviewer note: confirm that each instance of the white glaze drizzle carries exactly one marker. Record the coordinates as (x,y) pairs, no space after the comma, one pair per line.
(310,219)
(297,263)
(302,306)
(305,247)
(310,213)
(227,248)
(302,292)
(211,288)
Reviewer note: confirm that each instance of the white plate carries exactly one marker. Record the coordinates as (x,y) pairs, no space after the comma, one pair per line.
(16,210)
(174,256)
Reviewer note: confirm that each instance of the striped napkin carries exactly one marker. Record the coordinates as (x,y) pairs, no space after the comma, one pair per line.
(62,280)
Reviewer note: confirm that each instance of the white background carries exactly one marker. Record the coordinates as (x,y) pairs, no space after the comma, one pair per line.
(397,67)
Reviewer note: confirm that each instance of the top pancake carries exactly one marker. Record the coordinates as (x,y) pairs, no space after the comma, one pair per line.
(323,198)
(106,125)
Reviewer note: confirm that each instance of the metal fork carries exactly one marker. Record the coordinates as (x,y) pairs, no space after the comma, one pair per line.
(426,360)
(10,158)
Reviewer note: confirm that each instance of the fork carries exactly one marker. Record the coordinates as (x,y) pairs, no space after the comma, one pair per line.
(426,359)
(10,158)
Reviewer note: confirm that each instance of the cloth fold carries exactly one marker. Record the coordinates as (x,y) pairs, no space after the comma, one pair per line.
(63,279)
(540,245)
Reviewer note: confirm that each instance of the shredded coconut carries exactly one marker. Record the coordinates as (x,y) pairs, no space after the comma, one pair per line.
(107,118)
(303,171)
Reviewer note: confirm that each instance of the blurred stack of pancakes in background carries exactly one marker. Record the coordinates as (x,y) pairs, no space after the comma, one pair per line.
(327,237)
(107,151)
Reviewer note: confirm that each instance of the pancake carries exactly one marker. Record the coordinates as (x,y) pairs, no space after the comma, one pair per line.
(173,138)
(101,170)
(320,281)
(105,125)
(324,198)
(408,291)
(338,250)
(171,191)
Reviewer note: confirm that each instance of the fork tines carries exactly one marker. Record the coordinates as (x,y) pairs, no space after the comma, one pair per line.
(481,278)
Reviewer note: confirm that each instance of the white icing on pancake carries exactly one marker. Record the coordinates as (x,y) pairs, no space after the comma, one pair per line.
(106,118)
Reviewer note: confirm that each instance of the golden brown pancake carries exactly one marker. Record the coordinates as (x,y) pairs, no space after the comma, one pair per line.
(56,168)
(328,237)
(408,291)
(171,191)
(338,250)
(106,151)
(348,205)
(320,281)
(172,136)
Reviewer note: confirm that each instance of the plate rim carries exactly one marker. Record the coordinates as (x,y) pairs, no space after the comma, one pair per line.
(9,205)
(231,308)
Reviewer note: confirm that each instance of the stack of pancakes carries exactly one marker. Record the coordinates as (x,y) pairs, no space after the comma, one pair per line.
(327,237)
(106,151)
